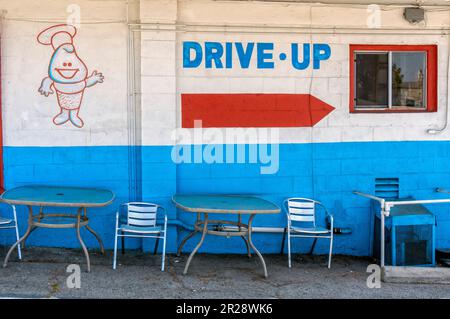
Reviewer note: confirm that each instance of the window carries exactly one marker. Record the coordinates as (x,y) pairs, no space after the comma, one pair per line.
(393,78)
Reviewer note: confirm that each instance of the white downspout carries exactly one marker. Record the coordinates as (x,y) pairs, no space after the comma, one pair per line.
(444,127)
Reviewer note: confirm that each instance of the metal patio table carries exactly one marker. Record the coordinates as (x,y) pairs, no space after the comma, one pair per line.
(53,196)
(223,204)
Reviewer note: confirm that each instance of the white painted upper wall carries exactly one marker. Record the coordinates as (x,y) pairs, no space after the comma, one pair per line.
(100,42)
(366,2)
(27,116)
(259,13)
(283,24)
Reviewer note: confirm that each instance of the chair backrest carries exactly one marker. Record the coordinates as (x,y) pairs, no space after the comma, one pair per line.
(301,209)
(142,214)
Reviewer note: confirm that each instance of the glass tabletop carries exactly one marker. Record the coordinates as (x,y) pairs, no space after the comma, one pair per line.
(58,196)
(233,204)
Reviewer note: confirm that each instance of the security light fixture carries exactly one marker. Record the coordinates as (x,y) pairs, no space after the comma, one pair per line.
(414,14)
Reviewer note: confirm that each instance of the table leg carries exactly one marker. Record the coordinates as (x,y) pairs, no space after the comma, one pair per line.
(27,233)
(33,228)
(100,242)
(83,246)
(183,242)
(250,221)
(41,215)
(249,253)
(205,230)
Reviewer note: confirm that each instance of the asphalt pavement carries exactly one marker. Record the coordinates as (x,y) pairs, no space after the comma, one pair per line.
(43,274)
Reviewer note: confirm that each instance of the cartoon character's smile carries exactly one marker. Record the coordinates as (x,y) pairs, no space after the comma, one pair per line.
(67,73)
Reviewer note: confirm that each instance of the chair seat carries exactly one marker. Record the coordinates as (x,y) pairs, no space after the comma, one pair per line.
(311,230)
(4,221)
(139,229)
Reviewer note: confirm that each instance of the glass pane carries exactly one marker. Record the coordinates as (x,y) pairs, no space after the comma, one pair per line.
(408,79)
(371,80)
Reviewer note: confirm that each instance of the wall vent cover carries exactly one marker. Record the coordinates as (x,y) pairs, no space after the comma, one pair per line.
(414,15)
(387,187)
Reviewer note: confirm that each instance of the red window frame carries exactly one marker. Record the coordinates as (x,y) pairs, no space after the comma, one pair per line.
(432,76)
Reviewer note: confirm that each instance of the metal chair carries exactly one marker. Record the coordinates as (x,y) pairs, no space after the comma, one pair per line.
(140,222)
(12,224)
(302,211)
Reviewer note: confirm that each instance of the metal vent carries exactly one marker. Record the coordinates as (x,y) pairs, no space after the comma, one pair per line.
(387,187)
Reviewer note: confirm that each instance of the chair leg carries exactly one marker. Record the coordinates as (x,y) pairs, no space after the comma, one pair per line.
(156,245)
(282,241)
(331,250)
(115,251)
(313,246)
(289,247)
(123,244)
(164,251)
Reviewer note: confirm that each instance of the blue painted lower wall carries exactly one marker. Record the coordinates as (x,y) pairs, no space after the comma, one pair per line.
(328,172)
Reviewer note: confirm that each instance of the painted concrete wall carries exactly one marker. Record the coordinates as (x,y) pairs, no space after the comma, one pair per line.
(341,153)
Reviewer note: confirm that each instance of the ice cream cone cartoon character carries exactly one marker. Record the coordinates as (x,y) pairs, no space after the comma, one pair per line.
(67,74)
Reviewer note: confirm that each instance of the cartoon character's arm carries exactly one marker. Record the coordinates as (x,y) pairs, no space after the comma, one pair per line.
(94,79)
(46,87)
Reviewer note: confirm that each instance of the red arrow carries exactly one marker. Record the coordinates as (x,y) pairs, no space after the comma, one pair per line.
(253,110)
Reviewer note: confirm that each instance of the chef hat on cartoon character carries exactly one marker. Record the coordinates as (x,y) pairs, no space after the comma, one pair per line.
(57,35)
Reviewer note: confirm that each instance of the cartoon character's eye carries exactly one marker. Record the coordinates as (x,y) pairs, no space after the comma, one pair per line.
(64,64)
(70,63)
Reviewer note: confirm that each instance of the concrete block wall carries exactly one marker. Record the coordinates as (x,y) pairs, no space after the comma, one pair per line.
(341,153)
